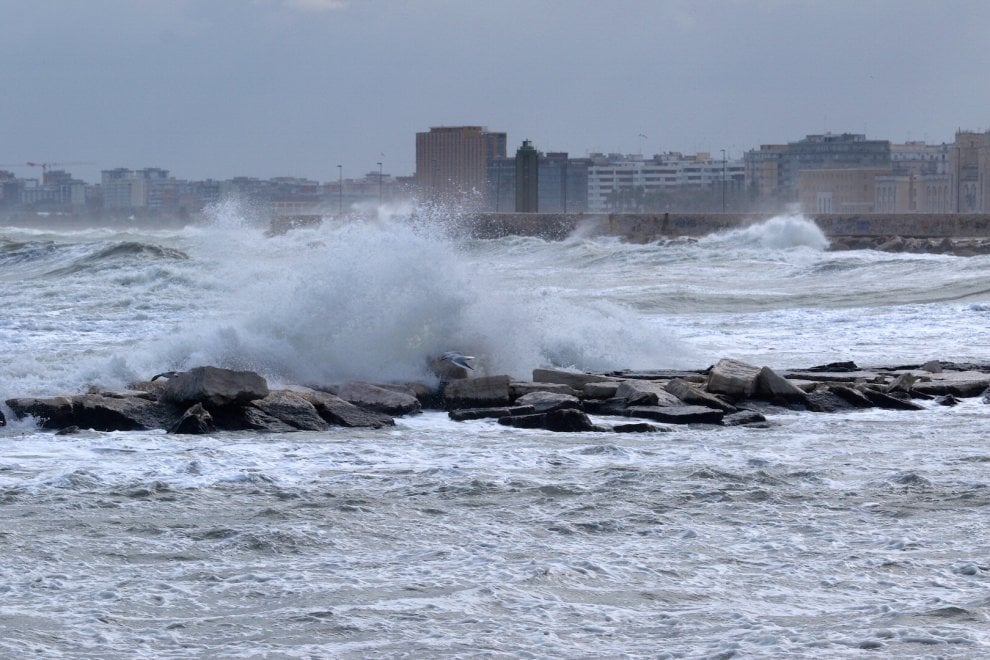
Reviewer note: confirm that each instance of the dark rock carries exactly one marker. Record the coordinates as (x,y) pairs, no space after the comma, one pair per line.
(639,427)
(547,401)
(3,419)
(614,406)
(947,400)
(695,396)
(962,384)
(195,421)
(567,420)
(466,414)
(851,396)
(932,367)
(834,367)
(124,394)
(338,412)
(214,387)
(575,379)
(902,383)
(646,393)
(601,390)
(484,392)
(825,400)
(676,414)
(68,430)
(774,387)
(378,399)
(93,411)
(247,418)
(292,409)
(881,400)
(518,389)
(733,378)
(744,418)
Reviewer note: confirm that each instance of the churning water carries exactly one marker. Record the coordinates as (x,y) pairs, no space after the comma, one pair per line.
(820,536)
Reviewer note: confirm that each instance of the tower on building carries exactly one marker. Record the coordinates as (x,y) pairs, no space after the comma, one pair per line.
(527,178)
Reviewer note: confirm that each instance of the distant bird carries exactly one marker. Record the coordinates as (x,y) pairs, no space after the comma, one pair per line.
(457,359)
(166,375)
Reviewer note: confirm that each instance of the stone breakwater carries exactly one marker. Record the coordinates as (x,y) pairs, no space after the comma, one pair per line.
(210,399)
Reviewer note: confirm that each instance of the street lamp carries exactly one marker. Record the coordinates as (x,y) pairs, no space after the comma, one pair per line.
(723,180)
(379,183)
(340,190)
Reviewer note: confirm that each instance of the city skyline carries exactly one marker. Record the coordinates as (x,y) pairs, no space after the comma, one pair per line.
(214,90)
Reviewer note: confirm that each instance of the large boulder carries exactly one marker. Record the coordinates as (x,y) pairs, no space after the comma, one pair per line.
(94,411)
(646,393)
(376,398)
(485,392)
(881,400)
(195,421)
(677,414)
(292,409)
(337,412)
(567,420)
(773,387)
(691,394)
(600,390)
(214,387)
(575,379)
(547,401)
(520,388)
(733,378)
(248,418)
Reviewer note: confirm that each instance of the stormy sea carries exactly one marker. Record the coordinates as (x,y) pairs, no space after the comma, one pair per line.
(851,534)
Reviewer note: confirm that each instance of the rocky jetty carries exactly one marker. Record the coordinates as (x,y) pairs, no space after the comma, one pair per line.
(730,393)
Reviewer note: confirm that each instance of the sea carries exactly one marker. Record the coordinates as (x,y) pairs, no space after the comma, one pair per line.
(844,535)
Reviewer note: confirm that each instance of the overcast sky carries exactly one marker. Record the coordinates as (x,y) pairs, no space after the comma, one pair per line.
(222,88)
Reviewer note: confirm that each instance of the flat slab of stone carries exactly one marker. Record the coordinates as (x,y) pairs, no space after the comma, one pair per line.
(376,398)
(639,427)
(693,395)
(881,400)
(337,412)
(733,378)
(600,390)
(744,418)
(646,393)
(214,387)
(676,414)
(957,383)
(575,379)
(772,386)
(94,411)
(467,414)
(292,409)
(547,401)
(567,420)
(519,388)
(484,392)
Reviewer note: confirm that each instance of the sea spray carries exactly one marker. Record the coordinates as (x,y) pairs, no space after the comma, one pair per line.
(778,233)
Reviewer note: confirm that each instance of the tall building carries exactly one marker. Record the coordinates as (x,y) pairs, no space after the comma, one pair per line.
(452,163)
(830,152)
(969,172)
(527,178)
(562,184)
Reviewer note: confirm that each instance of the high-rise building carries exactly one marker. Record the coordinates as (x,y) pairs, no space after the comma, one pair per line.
(562,183)
(452,163)
(527,178)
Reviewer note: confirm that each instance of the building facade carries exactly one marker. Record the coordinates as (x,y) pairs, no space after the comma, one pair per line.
(452,163)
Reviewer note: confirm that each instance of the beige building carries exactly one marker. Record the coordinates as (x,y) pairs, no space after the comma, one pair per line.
(913,193)
(452,163)
(969,171)
(847,190)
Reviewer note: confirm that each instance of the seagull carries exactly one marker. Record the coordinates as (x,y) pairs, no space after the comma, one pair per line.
(457,359)
(166,375)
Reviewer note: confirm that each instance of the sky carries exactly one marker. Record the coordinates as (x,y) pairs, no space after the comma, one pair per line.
(265,88)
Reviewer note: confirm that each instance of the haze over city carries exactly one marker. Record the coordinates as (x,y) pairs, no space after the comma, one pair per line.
(221,88)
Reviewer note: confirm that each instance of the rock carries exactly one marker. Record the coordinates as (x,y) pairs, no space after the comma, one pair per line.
(895,244)
(676,414)
(985,397)
(733,378)
(247,418)
(484,392)
(932,367)
(378,399)
(68,430)
(692,395)
(567,420)
(124,394)
(646,393)
(214,387)
(195,421)
(960,384)
(575,379)
(446,370)
(639,427)
(902,383)
(851,396)
(292,409)
(93,411)
(744,418)
(547,401)
(947,400)
(881,400)
(338,412)
(600,390)
(614,406)
(825,400)
(3,419)
(518,389)
(834,367)
(466,414)
(774,387)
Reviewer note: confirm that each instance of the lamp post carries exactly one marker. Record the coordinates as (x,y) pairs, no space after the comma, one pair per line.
(340,190)
(723,180)
(379,183)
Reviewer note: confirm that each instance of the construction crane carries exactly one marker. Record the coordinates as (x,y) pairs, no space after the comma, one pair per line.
(44,166)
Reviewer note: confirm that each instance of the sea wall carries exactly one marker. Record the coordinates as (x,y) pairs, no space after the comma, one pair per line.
(648,227)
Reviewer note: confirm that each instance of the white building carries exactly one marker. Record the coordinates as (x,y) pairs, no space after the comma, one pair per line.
(615,175)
